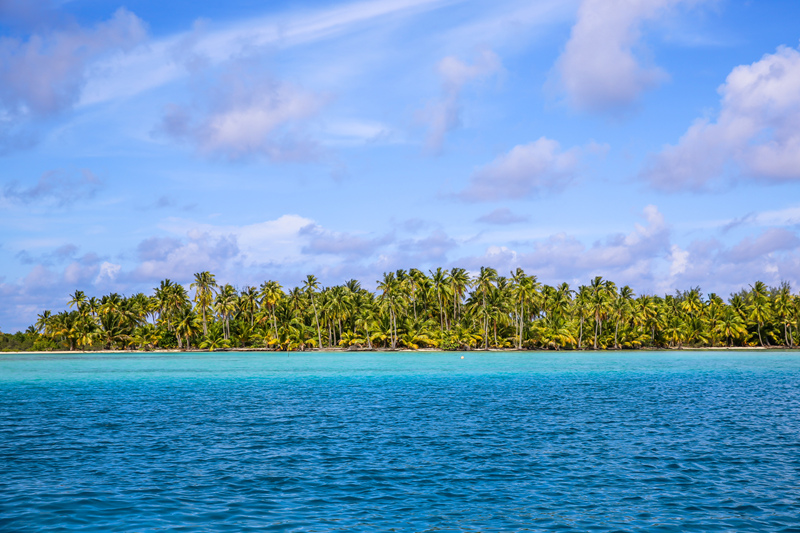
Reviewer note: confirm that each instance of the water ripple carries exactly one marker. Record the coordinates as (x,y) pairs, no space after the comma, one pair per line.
(514,443)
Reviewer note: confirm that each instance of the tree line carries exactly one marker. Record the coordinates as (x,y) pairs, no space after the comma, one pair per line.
(444,309)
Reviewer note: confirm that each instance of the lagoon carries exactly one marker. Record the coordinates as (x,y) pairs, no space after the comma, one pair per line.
(503,441)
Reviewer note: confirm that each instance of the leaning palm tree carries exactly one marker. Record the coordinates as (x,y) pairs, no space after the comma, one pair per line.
(44,322)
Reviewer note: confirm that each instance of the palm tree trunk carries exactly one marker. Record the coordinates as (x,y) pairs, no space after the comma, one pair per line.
(485,325)
(394,326)
(316,319)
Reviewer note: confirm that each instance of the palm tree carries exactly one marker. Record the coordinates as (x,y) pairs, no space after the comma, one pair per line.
(459,281)
(186,326)
(248,303)
(524,289)
(439,279)
(271,293)
(599,295)
(44,322)
(759,306)
(225,305)
(78,300)
(621,308)
(483,284)
(215,339)
(389,288)
(782,307)
(310,286)
(731,325)
(647,314)
(366,318)
(204,285)
(581,308)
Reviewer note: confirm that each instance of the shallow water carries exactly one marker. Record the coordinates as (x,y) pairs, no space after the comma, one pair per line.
(642,441)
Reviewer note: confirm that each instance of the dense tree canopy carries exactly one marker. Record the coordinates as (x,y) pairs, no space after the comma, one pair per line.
(443,309)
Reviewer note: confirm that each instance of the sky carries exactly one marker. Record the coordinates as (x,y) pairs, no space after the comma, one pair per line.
(655,143)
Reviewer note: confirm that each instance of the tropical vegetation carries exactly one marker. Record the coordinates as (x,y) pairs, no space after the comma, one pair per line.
(443,309)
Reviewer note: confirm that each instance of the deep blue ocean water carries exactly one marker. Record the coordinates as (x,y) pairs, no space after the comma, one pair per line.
(541,441)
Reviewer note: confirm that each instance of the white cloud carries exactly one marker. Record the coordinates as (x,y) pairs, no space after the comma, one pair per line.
(678,260)
(108,273)
(245,112)
(626,258)
(527,169)
(599,69)
(445,114)
(755,134)
(271,241)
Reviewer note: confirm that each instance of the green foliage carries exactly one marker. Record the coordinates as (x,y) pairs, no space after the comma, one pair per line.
(18,342)
(411,310)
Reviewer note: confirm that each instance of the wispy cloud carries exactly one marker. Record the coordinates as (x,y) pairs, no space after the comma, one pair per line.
(502,216)
(166,60)
(444,115)
(57,187)
(44,74)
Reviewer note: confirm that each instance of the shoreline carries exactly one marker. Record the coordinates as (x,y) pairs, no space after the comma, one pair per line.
(403,350)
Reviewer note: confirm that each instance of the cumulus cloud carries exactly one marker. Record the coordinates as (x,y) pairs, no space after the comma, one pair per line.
(444,115)
(645,257)
(192,247)
(599,69)
(48,287)
(246,112)
(326,242)
(44,74)
(768,242)
(427,250)
(526,170)
(172,258)
(648,259)
(56,187)
(623,257)
(770,256)
(754,136)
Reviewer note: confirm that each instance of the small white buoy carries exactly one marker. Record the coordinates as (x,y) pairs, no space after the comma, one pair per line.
(462,357)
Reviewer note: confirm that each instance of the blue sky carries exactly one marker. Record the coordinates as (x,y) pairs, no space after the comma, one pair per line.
(653,142)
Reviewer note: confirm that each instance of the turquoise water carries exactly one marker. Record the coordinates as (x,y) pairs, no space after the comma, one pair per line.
(642,441)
